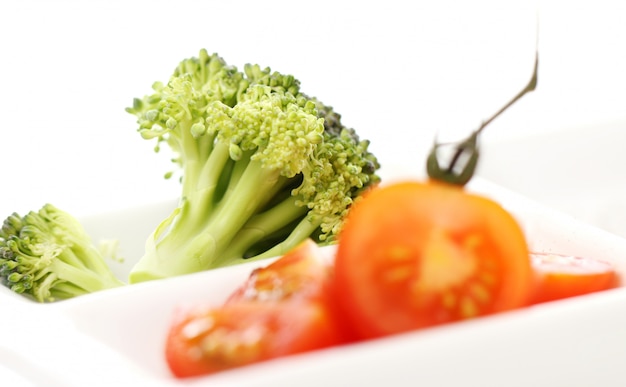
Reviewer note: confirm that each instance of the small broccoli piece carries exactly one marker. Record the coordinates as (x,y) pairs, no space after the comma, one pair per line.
(48,255)
(263,167)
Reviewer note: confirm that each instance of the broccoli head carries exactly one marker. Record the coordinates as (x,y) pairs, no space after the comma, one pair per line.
(47,255)
(263,166)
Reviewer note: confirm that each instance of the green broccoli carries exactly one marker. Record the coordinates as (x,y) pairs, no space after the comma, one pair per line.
(263,166)
(48,255)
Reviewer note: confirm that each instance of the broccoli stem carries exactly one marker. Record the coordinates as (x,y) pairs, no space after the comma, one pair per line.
(98,275)
(300,232)
(86,256)
(255,186)
(208,171)
(200,185)
(171,251)
(61,291)
(70,280)
(261,226)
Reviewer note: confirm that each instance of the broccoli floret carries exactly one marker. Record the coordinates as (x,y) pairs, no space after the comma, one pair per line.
(48,255)
(263,167)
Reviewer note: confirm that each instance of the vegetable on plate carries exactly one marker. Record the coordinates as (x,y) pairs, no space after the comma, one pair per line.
(417,254)
(281,309)
(48,256)
(410,255)
(302,273)
(446,256)
(264,166)
(560,276)
(209,340)
(291,306)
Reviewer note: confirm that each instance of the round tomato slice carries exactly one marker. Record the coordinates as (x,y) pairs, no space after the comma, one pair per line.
(562,276)
(418,254)
(209,340)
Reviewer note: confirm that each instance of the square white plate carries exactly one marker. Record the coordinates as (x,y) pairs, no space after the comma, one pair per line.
(115,337)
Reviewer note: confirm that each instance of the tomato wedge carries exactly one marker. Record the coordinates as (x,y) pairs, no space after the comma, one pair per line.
(283,308)
(299,274)
(210,340)
(562,276)
(417,254)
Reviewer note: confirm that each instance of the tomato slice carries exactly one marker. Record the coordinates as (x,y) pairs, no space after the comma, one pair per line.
(302,273)
(281,309)
(417,254)
(209,340)
(562,276)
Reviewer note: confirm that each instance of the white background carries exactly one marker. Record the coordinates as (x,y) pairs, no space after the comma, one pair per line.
(400,72)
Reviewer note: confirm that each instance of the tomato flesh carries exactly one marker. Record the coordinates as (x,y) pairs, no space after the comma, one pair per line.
(442,255)
(210,340)
(562,276)
(283,308)
(299,274)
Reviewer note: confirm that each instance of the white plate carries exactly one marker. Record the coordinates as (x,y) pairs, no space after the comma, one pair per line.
(115,337)
(577,170)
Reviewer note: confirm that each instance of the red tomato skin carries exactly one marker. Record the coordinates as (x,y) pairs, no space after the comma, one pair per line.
(560,276)
(303,273)
(290,300)
(404,214)
(299,274)
(282,329)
